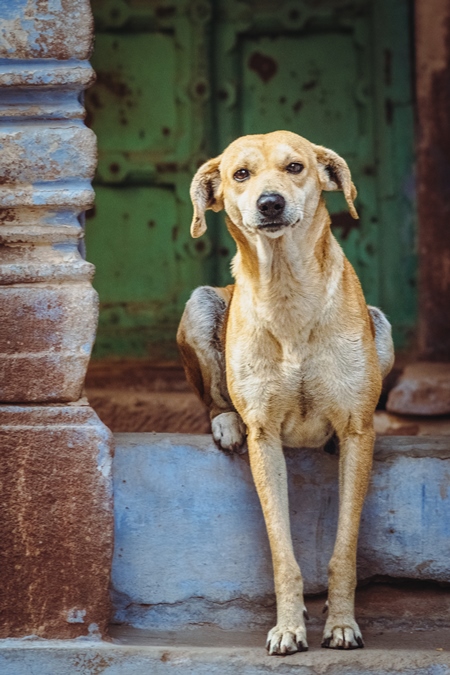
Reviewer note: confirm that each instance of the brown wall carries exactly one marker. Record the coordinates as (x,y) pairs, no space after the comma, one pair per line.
(432,19)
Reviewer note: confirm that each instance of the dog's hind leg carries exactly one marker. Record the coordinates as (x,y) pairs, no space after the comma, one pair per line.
(201,343)
(383,340)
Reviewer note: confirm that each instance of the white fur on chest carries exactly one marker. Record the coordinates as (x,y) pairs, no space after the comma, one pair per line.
(295,382)
(289,361)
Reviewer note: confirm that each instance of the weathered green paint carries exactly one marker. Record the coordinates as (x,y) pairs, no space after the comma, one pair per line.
(335,71)
(149,109)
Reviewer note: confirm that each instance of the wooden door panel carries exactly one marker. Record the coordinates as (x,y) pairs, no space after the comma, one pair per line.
(142,224)
(128,85)
(309,84)
(150,111)
(304,83)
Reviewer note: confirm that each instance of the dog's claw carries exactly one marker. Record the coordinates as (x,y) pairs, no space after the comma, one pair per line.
(344,636)
(286,640)
(325,607)
(305,614)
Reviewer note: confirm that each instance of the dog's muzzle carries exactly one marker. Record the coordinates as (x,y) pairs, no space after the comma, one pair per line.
(271,208)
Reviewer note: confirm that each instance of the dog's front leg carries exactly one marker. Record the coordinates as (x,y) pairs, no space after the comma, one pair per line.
(269,473)
(355,462)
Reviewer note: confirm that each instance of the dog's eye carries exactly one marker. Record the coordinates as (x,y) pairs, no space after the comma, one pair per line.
(241,174)
(295,167)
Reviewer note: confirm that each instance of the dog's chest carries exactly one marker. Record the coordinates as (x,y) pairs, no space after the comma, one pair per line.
(267,368)
(290,393)
(296,382)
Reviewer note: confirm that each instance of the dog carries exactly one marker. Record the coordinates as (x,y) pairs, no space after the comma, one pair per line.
(290,354)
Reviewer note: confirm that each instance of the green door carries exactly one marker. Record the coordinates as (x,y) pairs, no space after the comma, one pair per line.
(150,111)
(176,83)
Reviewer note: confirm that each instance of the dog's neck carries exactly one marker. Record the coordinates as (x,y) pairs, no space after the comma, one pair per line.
(293,273)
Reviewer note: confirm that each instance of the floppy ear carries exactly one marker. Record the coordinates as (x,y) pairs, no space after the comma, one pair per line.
(206,193)
(334,174)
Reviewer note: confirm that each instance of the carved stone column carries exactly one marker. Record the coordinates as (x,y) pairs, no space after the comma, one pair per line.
(55,454)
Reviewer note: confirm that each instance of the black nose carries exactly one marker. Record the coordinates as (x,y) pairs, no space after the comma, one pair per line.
(271,205)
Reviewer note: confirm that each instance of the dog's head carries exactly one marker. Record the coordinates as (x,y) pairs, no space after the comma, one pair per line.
(268,183)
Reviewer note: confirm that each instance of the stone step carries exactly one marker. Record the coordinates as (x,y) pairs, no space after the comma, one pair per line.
(211,651)
(192,575)
(190,541)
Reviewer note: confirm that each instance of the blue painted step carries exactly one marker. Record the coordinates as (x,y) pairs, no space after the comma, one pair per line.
(190,541)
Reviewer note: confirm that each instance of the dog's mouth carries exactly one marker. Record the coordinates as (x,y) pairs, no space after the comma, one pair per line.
(275,227)
(272,227)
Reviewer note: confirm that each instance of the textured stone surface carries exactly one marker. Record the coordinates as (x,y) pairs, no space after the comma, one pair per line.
(45,341)
(432,54)
(48,309)
(212,652)
(65,76)
(137,395)
(423,389)
(56,523)
(40,244)
(190,542)
(389,424)
(62,152)
(134,395)
(32,29)
(162,411)
(75,195)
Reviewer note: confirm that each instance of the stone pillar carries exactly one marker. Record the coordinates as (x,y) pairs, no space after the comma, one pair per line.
(55,454)
(432,21)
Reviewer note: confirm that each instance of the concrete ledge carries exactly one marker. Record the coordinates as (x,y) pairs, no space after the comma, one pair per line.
(190,541)
(209,651)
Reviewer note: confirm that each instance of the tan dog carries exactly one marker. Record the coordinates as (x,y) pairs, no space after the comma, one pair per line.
(291,354)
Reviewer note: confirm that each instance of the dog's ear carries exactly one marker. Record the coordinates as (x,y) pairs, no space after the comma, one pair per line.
(334,174)
(206,193)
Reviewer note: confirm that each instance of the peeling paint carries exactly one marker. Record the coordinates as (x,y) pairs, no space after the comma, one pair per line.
(265,66)
(76,615)
(45,343)
(32,29)
(31,156)
(104,458)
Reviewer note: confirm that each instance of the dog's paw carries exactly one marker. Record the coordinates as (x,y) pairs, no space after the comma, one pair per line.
(283,640)
(229,432)
(342,635)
